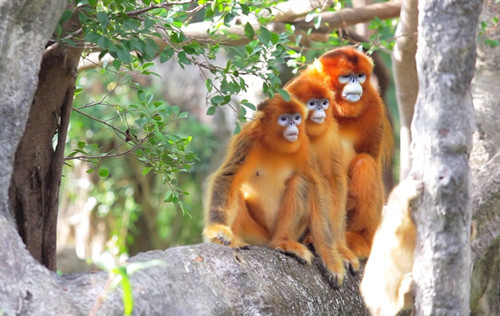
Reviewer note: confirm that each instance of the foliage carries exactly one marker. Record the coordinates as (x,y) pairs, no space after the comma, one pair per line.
(487,27)
(128,117)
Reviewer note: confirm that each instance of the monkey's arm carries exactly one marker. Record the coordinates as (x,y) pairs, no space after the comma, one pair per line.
(223,189)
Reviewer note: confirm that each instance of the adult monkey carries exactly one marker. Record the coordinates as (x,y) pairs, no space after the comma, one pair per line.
(268,191)
(366,137)
(326,148)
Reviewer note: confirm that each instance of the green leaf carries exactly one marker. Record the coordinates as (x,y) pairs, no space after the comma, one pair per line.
(248,105)
(284,94)
(146,170)
(244,9)
(103,19)
(211,110)
(317,22)
(491,42)
(117,64)
(166,55)
(81,144)
(103,173)
(128,298)
(65,16)
(248,30)
(208,84)
(265,35)
(218,99)
(123,54)
(275,38)
(237,129)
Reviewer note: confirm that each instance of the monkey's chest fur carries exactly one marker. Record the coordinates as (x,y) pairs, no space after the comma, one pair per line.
(264,189)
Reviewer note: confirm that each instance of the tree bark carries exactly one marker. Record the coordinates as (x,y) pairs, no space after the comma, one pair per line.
(36,178)
(204,279)
(405,78)
(329,22)
(485,164)
(25,27)
(442,131)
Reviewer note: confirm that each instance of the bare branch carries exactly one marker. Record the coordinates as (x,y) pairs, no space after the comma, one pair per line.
(123,153)
(163,5)
(352,16)
(297,9)
(118,131)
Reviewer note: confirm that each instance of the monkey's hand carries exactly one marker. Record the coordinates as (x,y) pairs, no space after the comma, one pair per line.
(219,234)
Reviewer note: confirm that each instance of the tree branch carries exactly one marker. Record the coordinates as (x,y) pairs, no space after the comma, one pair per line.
(163,5)
(405,77)
(329,21)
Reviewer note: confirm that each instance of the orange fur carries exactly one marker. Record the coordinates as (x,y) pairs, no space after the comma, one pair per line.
(367,140)
(326,148)
(268,191)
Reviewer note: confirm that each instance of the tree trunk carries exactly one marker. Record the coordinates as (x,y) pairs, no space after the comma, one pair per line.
(485,164)
(37,172)
(442,132)
(25,27)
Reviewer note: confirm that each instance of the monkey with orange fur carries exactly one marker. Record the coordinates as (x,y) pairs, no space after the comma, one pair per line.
(366,137)
(326,148)
(268,190)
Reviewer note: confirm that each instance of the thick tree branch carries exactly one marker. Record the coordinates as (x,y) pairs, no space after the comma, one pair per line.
(205,279)
(329,22)
(405,77)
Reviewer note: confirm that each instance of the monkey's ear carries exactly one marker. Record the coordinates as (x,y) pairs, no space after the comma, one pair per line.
(262,105)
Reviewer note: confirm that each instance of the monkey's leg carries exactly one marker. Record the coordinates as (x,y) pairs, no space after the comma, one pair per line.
(323,230)
(292,220)
(338,184)
(246,230)
(220,219)
(366,196)
(223,189)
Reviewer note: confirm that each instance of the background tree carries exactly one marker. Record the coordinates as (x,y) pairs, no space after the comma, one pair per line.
(485,160)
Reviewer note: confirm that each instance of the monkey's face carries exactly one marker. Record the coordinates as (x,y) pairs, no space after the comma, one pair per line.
(317,110)
(317,97)
(290,122)
(352,86)
(348,71)
(281,124)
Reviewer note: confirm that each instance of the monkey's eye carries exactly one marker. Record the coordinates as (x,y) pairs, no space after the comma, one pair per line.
(325,103)
(344,79)
(312,104)
(361,78)
(283,120)
(297,118)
